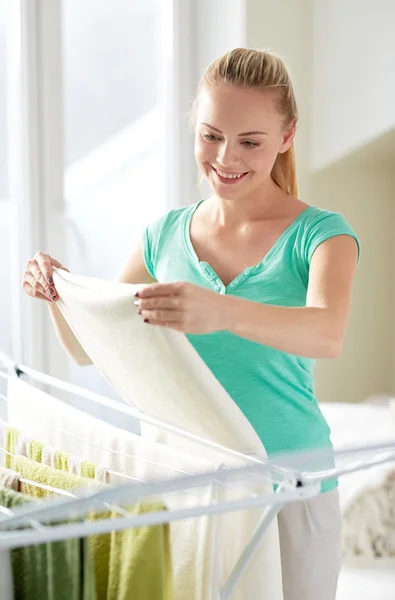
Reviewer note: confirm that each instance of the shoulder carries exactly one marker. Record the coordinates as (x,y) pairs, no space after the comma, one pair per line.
(165,232)
(320,225)
(169,220)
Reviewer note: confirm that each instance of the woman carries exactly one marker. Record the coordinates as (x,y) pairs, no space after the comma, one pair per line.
(258,280)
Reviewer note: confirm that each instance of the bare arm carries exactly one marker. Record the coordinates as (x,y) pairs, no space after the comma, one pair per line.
(134,270)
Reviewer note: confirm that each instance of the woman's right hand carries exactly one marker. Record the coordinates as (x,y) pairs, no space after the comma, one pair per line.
(37,278)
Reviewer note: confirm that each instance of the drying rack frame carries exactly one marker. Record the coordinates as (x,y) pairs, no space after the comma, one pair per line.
(294,483)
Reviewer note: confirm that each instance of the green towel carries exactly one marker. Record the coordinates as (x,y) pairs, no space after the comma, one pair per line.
(99,545)
(133,563)
(50,571)
(10,440)
(140,561)
(36,451)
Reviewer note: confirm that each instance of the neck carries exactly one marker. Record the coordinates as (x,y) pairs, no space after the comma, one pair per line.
(253,207)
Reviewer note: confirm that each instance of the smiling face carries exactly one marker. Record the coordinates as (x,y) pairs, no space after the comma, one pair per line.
(239,133)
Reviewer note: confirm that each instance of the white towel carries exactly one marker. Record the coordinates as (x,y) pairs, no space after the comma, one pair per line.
(154,368)
(158,370)
(9,479)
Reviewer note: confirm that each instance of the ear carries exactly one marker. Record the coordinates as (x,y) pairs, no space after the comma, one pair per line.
(288,137)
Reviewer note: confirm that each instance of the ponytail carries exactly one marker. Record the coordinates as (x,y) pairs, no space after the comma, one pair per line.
(284,172)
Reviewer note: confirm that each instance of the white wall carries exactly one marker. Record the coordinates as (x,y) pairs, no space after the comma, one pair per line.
(341,37)
(353,75)
(285,28)
(364,193)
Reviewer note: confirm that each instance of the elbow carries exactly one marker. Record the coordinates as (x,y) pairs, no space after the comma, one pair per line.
(332,348)
(335,350)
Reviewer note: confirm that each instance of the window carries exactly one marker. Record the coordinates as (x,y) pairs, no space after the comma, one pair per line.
(113,128)
(5,300)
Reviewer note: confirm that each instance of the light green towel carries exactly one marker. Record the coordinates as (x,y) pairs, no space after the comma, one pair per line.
(45,475)
(36,451)
(122,570)
(99,545)
(140,561)
(61,461)
(10,440)
(30,469)
(88,469)
(50,571)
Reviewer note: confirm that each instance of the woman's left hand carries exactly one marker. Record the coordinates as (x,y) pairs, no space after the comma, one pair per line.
(183,306)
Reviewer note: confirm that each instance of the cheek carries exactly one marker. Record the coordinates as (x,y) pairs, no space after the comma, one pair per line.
(202,151)
(262,161)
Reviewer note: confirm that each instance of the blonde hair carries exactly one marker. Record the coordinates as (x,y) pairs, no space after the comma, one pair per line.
(260,70)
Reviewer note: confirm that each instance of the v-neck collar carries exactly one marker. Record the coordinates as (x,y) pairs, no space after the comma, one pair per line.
(209,272)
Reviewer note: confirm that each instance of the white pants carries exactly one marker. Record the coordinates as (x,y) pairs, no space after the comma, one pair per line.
(310,544)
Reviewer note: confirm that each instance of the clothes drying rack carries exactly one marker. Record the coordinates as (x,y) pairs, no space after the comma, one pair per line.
(298,476)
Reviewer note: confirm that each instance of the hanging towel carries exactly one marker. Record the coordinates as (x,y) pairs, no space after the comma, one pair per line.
(38,473)
(22,445)
(105,548)
(9,479)
(99,545)
(140,561)
(167,378)
(193,541)
(51,571)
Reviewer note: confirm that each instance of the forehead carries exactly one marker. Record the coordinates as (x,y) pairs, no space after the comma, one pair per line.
(234,109)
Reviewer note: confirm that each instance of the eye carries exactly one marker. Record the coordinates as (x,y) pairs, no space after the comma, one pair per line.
(210,137)
(249,144)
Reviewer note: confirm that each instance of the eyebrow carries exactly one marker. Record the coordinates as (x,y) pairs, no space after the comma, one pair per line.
(240,134)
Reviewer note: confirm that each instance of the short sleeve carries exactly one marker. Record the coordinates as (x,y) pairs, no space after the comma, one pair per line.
(325,226)
(154,238)
(147,252)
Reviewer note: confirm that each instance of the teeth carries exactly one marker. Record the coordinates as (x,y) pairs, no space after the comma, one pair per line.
(229,176)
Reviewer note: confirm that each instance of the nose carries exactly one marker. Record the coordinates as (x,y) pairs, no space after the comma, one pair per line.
(227,154)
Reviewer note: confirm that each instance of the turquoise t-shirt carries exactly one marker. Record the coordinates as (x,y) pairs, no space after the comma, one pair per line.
(274,389)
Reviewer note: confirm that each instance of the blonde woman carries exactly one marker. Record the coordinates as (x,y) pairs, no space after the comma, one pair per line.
(258,280)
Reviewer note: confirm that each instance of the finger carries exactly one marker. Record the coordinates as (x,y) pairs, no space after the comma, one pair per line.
(36,286)
(160,289)
(45,266)
(160,315)
(169,324)
(162,302)
(34,268)
(34,292)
